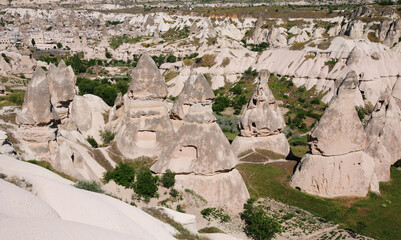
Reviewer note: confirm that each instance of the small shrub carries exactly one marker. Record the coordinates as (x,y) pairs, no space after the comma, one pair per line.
(174,193)
(179,208)
(209,213)
(298,140)
(92,186)
(168,179)
(92,142)
(146,184)
(257,224)
(123,174)
(107,136)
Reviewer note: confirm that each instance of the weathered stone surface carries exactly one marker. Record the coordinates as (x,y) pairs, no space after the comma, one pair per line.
(384,135)
(147,82)
(261,122)
(144,130)
(262,116)
(2,88)
(61,84)
(37,107)
(88,113)
(340,130)
(205,152)
(351,174)
(226,188)
(196,90)
(275,143)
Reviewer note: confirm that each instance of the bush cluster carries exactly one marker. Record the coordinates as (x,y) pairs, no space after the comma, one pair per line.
(92,186)
(228,123)
(123,174)
(103,88)
(92,142)
(257,224)
(216,213)
(140,179)
(168,179)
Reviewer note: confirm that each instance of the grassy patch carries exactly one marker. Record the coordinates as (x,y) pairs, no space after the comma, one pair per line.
(116,41)
(183,232)
(170,74)
(373,215)
(230,136)
(269,154)
(299,151)
(48,166)
(210,230)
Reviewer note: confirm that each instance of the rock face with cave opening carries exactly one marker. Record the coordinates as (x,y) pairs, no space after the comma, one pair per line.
(261,124)
(141,118)
(202,157)
(338,165)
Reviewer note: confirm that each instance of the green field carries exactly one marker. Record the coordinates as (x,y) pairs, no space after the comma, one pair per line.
(374,216)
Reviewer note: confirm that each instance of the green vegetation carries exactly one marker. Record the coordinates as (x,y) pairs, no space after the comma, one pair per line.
(92,142)
(116,41)
(123,174)
(216,213)
(235,96)
(168,179)
(176,34)
(146,185)
(92,186)
(107,136)
(112,23)
(210,230)
(15,97)
(183,232)
(105,89)
(376,212)
(5,58)
(257,224)
(305,106)
(48,166)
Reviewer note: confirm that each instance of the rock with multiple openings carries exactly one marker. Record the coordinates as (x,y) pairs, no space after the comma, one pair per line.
(338,165)
(144,127)
(261,124)
(201,156)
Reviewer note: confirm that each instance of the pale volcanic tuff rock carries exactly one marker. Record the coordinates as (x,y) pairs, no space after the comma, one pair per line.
(338,165)
(144,129)
(339,131)
(37,108)
(55,209)
(262,122)
(62,86)
(209,171)
(384,135)
(43,136)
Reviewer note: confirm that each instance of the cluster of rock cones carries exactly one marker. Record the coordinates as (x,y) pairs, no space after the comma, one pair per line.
(345,159)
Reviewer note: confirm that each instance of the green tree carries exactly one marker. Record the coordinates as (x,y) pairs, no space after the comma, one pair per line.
(33,42)
(59,45)
(168,179)
(123,174)
(257,224)
(146,185)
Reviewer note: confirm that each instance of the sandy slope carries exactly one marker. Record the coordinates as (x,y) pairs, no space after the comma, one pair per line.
(61,211)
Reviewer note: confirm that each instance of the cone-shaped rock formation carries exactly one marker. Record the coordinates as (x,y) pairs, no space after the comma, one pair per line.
(261,124)
(144,129)
(338,165)
(202,156)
